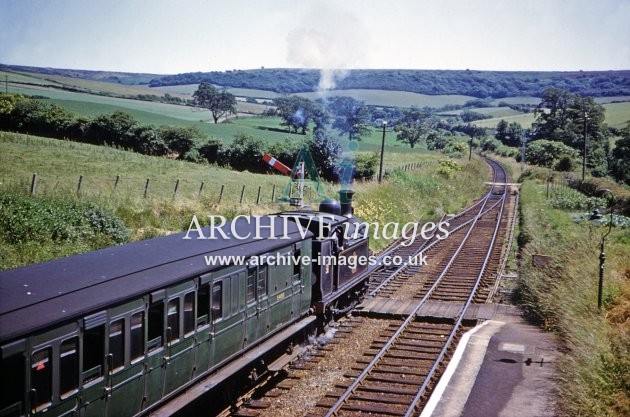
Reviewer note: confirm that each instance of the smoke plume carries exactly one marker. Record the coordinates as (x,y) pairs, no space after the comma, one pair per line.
(331,40)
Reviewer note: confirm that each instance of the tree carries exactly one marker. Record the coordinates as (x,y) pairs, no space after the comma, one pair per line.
(501,131)
(570,118)
(514,134)
(297,112)
(351,117)
(620,163)
(414,126)
(325,151)
(549,153)
(552,114)
(220,103)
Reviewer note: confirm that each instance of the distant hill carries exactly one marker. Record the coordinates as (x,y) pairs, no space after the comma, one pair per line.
(127,78)
(481,84)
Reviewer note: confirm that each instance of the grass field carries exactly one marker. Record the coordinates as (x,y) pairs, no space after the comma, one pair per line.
(524,119)
(59,165)
(617,114)
(372,97)
(268,129)
(489,111)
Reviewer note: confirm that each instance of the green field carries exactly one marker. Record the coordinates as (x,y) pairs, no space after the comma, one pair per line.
(488,111)
(59,166)
(16,79)
(371,97)
(617,114)
(154,113)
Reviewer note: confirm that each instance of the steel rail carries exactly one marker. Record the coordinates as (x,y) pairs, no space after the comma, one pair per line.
(429,243)
(411,317)
(461,313)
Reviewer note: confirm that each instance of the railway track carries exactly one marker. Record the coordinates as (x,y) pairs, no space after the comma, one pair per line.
(396,368)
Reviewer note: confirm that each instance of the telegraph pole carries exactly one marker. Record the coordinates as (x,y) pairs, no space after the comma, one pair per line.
(585,114)
(380,170)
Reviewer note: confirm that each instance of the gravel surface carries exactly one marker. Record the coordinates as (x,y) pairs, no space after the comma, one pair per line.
(314,384)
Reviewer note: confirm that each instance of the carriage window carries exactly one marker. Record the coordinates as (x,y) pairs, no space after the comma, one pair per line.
(217,300)
(93,353)
(172,319)
(41,378)
(136,336)
(262,281)
(189,313)
(156,325)
(68,366)
(117,343)
(251,284)
(296,266)
(203,301)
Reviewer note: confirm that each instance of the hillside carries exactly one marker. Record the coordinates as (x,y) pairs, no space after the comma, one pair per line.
(127,78)
(480,84)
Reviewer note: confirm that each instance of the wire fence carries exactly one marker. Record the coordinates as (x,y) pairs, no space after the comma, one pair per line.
(162,188)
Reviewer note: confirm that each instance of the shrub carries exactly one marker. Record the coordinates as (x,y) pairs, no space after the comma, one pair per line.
(25,219)
(448,167)
(547,153)
(245,153)
(365,165)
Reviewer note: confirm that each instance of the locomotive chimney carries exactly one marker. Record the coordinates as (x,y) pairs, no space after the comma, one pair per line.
(345,198)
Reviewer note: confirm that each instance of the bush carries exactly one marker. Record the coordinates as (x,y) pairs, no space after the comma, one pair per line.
(365,166)
(211,150)
(548,153)
(448,168)
(574,200)
(25,219)
(245,153)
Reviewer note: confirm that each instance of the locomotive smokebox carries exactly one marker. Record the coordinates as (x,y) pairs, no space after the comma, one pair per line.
(330,205)
(345,197)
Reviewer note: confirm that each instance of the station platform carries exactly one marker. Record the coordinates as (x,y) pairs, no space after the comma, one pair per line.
(504,367)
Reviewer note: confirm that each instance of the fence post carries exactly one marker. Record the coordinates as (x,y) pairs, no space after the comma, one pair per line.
(79,186)
(273,193)
(242,194)
(116,182)
(200,190)
(146,188)
(258,196)
(221,193)
(34,184)
(176,187)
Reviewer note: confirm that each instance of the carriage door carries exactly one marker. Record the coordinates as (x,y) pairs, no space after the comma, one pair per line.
(180,331)
(94,366)
(300,279)
(13,383)
(257,304)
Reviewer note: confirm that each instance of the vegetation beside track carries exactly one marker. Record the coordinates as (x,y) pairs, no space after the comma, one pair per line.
(434,189)
(594,374)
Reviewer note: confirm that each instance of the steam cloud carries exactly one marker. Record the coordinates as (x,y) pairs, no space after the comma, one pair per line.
(331,40)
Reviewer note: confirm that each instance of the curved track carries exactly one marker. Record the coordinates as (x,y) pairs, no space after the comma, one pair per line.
(395,374)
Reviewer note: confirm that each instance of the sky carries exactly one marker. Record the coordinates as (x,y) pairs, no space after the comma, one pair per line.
(175,36)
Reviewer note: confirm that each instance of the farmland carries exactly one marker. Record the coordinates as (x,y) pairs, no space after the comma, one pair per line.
(116,180)
(148,112)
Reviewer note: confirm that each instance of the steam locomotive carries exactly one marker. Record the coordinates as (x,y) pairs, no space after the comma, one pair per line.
(122,330)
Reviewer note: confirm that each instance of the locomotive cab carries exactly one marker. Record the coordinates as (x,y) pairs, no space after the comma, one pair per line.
(339,261)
